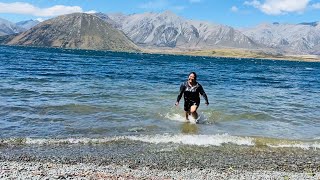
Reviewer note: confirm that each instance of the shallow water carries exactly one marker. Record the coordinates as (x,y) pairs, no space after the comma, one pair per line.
(56,93)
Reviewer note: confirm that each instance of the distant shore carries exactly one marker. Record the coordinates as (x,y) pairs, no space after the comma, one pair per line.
(236,53)
(222,53)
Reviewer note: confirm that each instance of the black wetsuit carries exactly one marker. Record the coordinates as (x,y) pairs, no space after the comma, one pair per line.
(191,95)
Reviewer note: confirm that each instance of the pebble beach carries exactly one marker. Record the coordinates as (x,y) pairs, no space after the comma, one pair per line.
(37,170)
(139,160)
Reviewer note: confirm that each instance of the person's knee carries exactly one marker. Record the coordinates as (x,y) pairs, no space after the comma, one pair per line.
(193,109)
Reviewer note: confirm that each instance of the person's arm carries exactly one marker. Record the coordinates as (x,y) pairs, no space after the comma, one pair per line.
(201,91)
(182,88)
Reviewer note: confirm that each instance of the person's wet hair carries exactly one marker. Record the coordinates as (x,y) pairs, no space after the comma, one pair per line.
(195,75)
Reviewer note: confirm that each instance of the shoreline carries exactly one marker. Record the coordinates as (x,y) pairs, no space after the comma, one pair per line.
(39,170)
(140,160)
(205,53)
(234,53)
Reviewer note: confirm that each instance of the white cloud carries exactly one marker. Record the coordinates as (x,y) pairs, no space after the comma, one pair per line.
(194,1)
(253,3)
(58,10)
(276,7)
(161,5)
(178,8)
(155,5)
(234,9)
(316,6)
(29,9)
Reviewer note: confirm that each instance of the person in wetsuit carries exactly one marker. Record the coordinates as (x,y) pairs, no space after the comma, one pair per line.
(191,91)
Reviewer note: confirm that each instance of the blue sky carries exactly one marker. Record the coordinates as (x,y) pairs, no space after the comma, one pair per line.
(236,13)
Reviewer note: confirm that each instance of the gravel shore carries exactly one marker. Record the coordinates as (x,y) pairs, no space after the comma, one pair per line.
(139,160)
(38,170)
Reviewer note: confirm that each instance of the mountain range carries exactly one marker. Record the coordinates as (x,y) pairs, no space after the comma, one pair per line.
(7,27)
(77,31)
(28,24)
(171,31)
(303,38)
(164,31)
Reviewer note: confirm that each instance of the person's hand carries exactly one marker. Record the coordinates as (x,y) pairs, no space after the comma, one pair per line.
(207,103)
(176,104)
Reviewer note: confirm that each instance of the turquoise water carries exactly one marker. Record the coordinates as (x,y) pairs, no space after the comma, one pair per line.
(56,93)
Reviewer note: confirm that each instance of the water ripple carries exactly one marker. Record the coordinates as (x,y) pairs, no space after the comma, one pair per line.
(57,92)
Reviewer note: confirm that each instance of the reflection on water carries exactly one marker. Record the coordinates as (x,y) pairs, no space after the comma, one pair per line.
(189,128)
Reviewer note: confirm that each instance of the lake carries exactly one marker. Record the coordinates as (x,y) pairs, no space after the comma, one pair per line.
(79,95)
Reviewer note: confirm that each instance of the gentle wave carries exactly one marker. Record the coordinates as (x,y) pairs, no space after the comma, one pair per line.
(197,140)
(219,116)
(178,117)
(285,143)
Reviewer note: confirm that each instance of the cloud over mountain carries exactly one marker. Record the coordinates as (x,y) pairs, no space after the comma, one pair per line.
(29,9)
(276,7)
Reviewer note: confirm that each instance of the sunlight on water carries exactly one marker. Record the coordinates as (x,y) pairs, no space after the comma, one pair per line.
(94,94)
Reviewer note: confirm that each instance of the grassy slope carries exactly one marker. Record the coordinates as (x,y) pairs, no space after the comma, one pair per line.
(238,53)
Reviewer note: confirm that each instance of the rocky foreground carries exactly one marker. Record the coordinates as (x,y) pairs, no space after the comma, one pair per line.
(138,160)
(38,170)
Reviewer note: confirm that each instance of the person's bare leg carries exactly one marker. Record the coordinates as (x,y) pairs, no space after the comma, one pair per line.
(193,111)
(195,115)
(187,115)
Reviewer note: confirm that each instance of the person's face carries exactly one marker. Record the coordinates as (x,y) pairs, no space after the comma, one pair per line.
(192,78)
